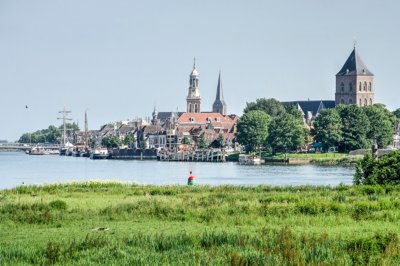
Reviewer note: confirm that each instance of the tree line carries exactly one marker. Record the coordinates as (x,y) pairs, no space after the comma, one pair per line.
(52,134)
(269,125)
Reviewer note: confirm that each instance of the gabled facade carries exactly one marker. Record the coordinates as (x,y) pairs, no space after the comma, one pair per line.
(310,109)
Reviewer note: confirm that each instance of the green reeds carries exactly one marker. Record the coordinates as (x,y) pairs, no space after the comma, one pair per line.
(127,224)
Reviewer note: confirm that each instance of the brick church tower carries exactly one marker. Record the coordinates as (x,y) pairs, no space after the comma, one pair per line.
(354,82)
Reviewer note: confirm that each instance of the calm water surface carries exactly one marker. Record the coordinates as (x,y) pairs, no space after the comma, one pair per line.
(17,168)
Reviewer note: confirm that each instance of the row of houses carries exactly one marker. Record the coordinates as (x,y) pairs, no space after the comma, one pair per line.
(170,130)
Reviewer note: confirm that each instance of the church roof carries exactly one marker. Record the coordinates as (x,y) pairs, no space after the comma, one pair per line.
(312,106)
(164,116)
(354,66)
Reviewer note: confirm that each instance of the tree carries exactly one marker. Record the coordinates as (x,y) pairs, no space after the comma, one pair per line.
(111,142)
(71,129)
(397,113)
(221,140)
(385,171)
(92,142)
(129,140)
(252,129)
(202,143)
(328,128)
(271,107)
(355,127)
(381,125)
(49,135)
(286,132)
(185,140)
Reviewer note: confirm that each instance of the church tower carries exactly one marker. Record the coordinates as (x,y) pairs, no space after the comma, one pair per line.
(354,82)
(193,99)
(219,105)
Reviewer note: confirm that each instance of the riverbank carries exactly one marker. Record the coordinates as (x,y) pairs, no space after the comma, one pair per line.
(119,224)
(322,159)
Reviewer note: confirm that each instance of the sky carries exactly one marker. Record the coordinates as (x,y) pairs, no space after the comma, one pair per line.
(118,59)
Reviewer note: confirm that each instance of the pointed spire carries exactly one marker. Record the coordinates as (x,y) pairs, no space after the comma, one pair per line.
(194,70)
(354,66)
(219,105)
(219,95)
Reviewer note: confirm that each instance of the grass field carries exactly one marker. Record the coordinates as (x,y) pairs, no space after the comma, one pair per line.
(120,224)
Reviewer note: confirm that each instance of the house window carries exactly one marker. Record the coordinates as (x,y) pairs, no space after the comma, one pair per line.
(217,119)
(370,101)
(342,101)
(359,88)
(350,87)
(360,103)
(370,86)
(208,119)
(365,102)
(191,119)
(342,86)
(350,101)
(365,86)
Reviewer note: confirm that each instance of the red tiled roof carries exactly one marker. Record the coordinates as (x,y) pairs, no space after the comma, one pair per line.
(217,120)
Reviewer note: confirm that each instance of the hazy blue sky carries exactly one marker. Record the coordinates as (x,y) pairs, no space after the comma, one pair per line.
(118,58)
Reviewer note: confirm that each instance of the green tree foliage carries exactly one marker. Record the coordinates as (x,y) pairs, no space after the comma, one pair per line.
(381,124)
(252,129)
(129,140)
(355,127)
(286,132)
(111,142)
(351,127)
(49,135)
(328,128)
(385,171)
(221,140)
(71,129)
(397,113)
(202,143)
(185,141)
(92,142)
(271,107)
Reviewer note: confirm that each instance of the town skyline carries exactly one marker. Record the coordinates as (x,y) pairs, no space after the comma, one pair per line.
(120,60)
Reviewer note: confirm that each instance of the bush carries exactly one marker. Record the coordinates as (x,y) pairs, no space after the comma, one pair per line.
(382,171)
(58,205)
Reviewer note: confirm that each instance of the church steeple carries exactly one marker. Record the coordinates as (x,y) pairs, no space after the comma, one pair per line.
(219,105)
(354,82)
(193,99)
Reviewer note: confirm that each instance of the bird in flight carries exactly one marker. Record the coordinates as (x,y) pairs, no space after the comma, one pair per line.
(26,106)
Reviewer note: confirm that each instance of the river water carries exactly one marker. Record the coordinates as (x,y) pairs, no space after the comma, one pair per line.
(17,168)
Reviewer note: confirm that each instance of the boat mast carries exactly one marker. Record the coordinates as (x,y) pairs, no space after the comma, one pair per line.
(86,131)
(65,113)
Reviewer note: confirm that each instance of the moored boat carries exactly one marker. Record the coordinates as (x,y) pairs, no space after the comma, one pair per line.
(99,153)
